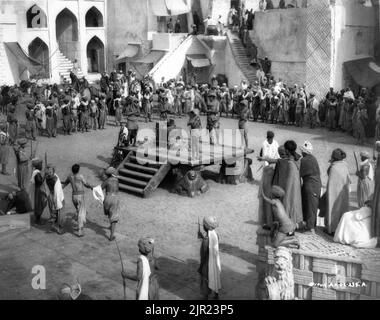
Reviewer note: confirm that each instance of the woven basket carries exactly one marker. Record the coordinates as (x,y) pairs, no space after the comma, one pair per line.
(324,270)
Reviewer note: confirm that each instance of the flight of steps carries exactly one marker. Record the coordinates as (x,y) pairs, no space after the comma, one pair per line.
(240,54)
(140,179)
(65,67)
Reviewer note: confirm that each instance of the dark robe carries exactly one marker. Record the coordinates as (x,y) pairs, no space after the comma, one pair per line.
(21,202)
(287,176)
(311,189)
(376,203)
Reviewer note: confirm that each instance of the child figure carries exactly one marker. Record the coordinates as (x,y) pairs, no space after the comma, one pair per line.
(283,229)
(195,125)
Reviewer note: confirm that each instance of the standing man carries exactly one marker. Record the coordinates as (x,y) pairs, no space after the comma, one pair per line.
(210,266)
(78,183)
(269,149)
(22,164)
(300,109)
(177,26)
(31,126)
(111,202)
(243,120)
(311,186)
(313,110)
(55,199)
(213,124)
(4,149)
(38,183)
(12,124)
(207,23)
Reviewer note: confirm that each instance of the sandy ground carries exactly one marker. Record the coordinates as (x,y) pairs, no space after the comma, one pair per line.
(170,219)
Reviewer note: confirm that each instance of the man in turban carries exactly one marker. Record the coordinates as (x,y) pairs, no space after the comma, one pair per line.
(311,186)
(146,277)
(210,266)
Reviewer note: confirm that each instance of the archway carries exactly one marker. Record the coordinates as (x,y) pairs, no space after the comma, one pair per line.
(36,17)
(94,18)
(95,56)
(67,34)
(38,50)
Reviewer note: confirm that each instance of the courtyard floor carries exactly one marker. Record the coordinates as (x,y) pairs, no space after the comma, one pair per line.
(170,219)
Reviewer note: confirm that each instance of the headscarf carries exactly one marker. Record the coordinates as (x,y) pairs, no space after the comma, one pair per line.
(146,245)
(338,155)
(110,171)
(307,147)
(210,223)
(365,154)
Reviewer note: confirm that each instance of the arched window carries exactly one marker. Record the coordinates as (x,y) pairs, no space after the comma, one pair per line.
(95,55)
(36,17)
(94,18)
(38,50)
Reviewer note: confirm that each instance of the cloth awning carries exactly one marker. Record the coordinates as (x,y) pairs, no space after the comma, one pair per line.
(365,72)
(130,52)
(198,60)
(153,57)
(22,58)
(167,8)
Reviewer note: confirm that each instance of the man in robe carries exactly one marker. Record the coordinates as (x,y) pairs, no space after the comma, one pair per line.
(365,180)
(12,125)
(311,186)
(55,199)
(336,200)
(210,266)
(287,176)
(22,164)
(78,185)
(355,228)
(146,277)
(31,126)
(213,124)
(38,190)
(4,150)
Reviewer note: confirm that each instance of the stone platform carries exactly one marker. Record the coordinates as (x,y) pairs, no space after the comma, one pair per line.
(325,270)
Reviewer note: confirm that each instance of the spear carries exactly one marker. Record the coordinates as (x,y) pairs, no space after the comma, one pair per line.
(122,268)
(356,160)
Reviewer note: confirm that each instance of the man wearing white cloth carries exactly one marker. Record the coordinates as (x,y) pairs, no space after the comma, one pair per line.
(210,266)
(355,229)
(55,199)
(146,277)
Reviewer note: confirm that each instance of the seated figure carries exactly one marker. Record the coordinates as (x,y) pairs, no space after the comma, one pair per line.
(355,228)
(18,203)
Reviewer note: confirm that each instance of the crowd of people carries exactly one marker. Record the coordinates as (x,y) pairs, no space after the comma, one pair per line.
(291,195)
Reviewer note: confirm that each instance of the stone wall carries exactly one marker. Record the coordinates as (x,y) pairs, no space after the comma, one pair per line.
(281,36)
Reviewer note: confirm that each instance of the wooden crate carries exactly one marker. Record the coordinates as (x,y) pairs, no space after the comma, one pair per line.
(324,270)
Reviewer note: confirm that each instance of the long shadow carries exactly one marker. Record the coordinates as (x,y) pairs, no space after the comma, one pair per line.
(100,230)
(182,279)
(239,253)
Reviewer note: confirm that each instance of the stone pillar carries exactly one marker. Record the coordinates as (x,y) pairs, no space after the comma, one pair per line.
(83,63)
(52,13)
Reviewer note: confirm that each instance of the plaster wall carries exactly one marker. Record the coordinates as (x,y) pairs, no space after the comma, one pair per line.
(355,31)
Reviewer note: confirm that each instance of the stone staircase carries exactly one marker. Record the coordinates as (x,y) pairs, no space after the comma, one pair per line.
(65,67)
(241,58)
(139,179)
